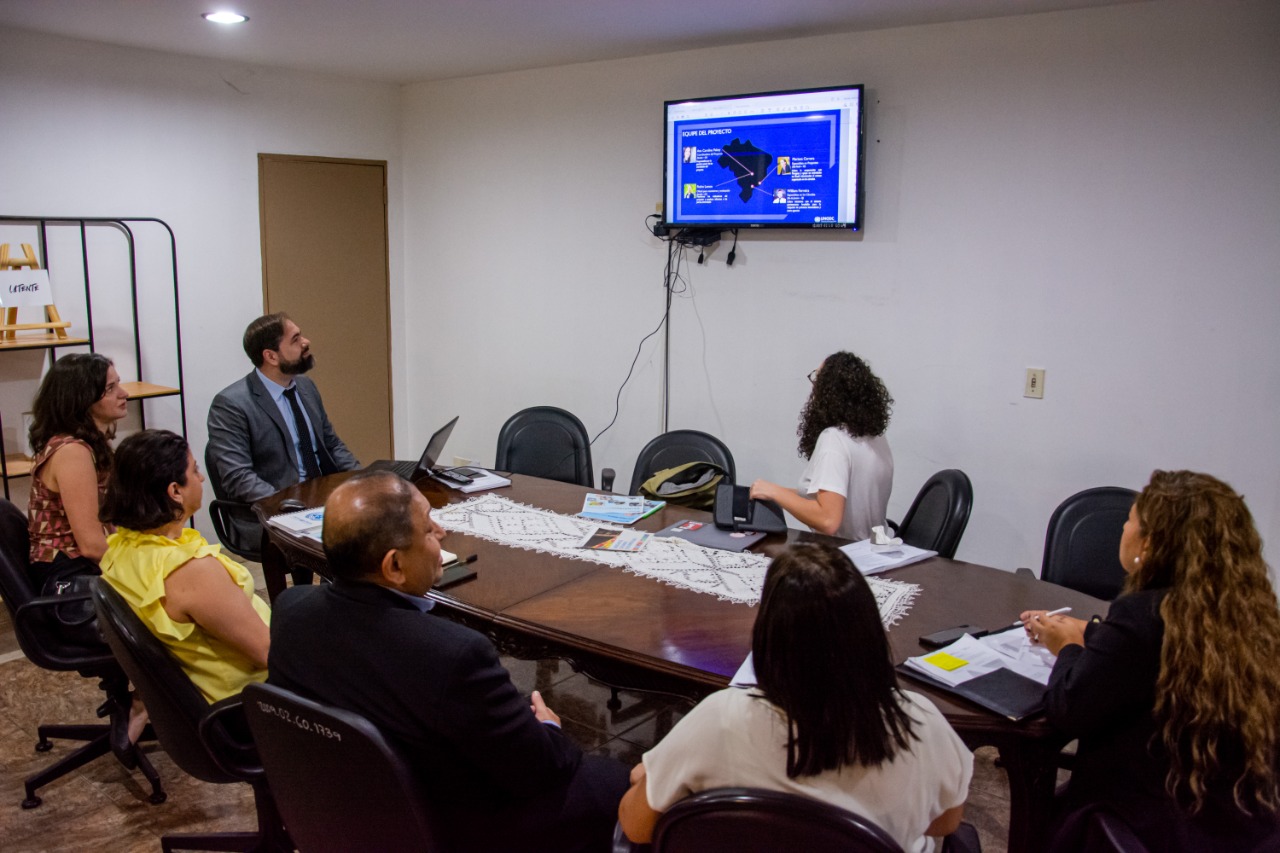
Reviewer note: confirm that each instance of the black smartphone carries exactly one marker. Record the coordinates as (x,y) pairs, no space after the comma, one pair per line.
(947,636)
(454,575)
(468,472)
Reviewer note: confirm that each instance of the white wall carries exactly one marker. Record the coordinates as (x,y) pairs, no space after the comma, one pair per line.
(1093,192)
(93,130)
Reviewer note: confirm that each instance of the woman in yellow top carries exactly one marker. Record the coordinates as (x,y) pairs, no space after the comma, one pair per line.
(198,602)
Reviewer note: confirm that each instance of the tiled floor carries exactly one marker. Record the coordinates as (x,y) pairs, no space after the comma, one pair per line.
(103,805)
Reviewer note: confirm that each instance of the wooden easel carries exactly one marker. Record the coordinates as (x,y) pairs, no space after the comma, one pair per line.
(53,320)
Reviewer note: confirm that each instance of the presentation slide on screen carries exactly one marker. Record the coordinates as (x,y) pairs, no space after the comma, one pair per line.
(783,168)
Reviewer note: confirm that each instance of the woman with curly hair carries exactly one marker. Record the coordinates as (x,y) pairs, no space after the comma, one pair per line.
(74,416)
(844,490)
(1175,696)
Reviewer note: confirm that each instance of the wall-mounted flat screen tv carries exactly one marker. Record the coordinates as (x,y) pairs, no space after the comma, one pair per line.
(769,160)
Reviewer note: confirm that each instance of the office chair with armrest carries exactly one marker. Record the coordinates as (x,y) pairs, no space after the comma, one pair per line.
(1094,829)
(339,784)
(237,527)
(544,441)
(939,514)
(725,819)
(1082,542)
(678,447)
(225,515)
(234,522)
(207,741)
(42,639)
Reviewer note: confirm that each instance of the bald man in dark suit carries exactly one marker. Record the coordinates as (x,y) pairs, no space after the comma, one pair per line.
(496,771)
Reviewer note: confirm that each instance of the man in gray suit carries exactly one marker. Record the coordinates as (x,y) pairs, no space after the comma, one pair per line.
(269,430)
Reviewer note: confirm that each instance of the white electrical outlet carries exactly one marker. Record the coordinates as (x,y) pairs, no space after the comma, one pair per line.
(459,461)
(1035,383)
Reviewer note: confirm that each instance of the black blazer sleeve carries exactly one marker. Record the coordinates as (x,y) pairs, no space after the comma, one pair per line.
(1113,676)
(493,727)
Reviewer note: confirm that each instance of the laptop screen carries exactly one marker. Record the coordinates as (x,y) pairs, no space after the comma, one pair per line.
(435,447)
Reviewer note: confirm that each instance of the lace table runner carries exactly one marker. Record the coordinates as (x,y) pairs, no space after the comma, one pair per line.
(728,575)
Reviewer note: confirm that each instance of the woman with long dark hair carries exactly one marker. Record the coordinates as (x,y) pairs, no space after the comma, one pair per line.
(845,488)
(197,601)
(1174,696)
(74,417)
(827,720)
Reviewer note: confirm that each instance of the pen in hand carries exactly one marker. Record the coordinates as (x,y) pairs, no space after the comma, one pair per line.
(1020,623)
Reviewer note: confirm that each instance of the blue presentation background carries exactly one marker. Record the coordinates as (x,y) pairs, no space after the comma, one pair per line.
(804,134)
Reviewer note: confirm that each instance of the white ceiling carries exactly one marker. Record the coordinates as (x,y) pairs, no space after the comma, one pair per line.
(403,41)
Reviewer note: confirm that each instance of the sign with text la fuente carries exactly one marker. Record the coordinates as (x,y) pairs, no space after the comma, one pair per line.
(25,287)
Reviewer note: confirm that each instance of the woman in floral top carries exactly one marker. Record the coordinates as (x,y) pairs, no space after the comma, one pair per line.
(74,416)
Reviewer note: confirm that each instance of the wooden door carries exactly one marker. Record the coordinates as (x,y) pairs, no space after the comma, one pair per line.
(324,263)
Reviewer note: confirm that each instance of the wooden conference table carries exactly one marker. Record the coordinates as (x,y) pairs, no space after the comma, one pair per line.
(631,631)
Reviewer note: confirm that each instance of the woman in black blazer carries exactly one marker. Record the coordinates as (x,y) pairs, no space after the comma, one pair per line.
(1175,696)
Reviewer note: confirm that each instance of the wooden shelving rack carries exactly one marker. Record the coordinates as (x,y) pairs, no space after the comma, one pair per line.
(14,465)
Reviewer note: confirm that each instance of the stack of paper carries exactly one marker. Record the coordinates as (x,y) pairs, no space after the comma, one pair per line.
(1000,675)
(746,674)
(484,481)
(871,559)
(618,509)
(968,658)
(964,659)
(304,522)
(615,540)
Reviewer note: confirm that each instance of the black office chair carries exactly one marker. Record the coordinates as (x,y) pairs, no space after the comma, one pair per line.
(234,521)
(44,640)
(208,741)
(1094,829)
(339,785)
(730,819)
(1082,543)
(544,441)
(678,447)
(939,514)
(233,539)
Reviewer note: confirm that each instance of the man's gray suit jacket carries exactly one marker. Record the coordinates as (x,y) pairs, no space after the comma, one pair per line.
(250,453)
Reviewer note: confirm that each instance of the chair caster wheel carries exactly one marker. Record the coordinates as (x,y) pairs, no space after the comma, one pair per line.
(44,746)
(158,798)
(31,802)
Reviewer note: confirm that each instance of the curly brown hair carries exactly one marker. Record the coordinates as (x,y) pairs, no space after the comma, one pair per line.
(1217,694)
(845,394)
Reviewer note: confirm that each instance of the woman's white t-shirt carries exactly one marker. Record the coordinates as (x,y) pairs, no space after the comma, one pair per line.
(736,738)
(860,469)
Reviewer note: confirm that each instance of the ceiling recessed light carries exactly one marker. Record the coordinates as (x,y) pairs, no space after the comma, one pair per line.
(225,17)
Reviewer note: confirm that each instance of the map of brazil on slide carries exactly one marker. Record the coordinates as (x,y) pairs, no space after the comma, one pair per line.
(748,163)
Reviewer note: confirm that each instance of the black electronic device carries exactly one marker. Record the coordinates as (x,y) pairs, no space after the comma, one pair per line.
(454,575)
(793,159)
(947,636)
(736,510)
